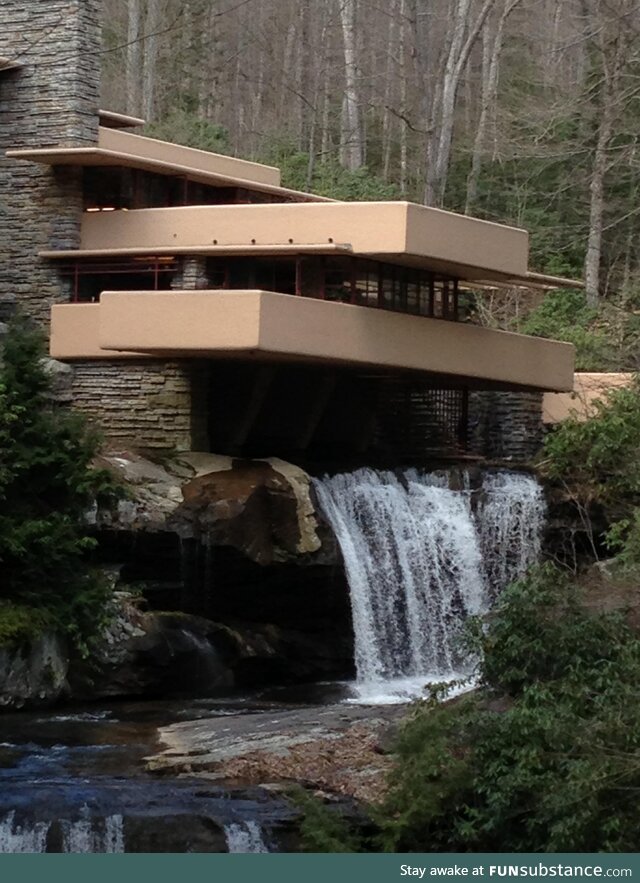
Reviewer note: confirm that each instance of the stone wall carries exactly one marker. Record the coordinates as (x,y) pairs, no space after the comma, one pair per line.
(51,101)
(142,404)
(191,274)
(505,425)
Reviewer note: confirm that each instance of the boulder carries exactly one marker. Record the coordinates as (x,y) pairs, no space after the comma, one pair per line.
(149,654)
(156,653)
(34,674)
(261,508)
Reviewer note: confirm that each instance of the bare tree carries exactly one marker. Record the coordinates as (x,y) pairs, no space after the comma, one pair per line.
(610,26)
(491,49)
(351,152)
(151,28)
(134,56)
(464,30)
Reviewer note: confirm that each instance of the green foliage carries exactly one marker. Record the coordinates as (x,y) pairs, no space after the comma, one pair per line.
(322,829)
(20,624)
(564,315)
(46,483)
(183,126)
(599,458)
(548,759)
(623,538)
(329,178)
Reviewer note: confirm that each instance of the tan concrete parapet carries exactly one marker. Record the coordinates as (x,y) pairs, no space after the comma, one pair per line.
(75,334)
(198,160)
(266,325)
(112,120)
(390,231)
(580,403)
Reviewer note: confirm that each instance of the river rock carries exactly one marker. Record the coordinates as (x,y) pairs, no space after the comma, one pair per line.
(148,653)
(35,674)
(262,508)
(162,653)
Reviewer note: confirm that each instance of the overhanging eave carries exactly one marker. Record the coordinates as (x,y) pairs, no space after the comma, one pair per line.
(271,326)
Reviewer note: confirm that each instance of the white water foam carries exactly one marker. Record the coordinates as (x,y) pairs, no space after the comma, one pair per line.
(84,835)
(87,835)
(510,520)
(15,838)
(419,562)
(245,837)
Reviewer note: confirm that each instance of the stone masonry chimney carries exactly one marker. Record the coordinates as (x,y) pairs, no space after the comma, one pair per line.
(49,98)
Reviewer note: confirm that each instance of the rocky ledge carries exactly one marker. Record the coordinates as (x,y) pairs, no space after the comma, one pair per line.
(335,749)
(261,508)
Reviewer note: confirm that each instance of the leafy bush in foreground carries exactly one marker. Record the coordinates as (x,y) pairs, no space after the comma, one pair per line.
(46,482)
(547,758)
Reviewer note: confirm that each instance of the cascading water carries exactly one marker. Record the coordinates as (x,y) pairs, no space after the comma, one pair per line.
(16,838)
(418,562)
(510,518)
(83,835)
(87,836)
(245,837)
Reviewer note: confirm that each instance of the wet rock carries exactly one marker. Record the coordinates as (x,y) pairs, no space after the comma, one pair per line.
(180,833)
(321,748)
(261,508)
(144,653)
(34,674)
(150,654)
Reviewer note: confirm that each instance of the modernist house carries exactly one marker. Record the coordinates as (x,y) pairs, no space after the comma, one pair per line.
(202,305)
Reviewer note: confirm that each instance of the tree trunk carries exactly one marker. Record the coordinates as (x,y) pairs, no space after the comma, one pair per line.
(351,137)
(134,56)
(457,57)
(387,127)
(403,98)
(610,98)
(596,207)
(491,49)
(152,26)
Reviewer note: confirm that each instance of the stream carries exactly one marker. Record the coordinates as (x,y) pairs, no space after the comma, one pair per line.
(420,558)
(74,780)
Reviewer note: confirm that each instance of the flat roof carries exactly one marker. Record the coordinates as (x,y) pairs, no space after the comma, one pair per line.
(112,120)
(212,250)
(120,148)
(96,156)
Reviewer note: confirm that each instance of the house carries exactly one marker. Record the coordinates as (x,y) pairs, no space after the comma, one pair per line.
(204,306)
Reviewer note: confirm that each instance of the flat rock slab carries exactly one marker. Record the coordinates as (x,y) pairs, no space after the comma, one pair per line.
(336,748)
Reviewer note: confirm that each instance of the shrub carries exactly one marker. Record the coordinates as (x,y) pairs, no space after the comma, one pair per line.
(46,483)
(564,315)
(547,758)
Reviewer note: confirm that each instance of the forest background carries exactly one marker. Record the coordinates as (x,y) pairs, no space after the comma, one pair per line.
(524,112)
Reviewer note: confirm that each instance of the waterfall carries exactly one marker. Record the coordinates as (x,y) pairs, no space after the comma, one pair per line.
(419,562)
(22,838)
(510,520)
(245,837)
(85,835)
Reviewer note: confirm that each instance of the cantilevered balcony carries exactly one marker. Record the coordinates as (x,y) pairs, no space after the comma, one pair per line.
(267,326)
(394,232)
